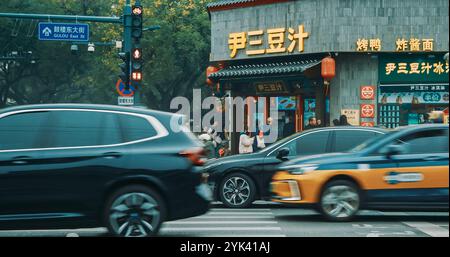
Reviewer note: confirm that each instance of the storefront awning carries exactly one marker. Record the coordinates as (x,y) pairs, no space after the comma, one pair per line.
(266,69)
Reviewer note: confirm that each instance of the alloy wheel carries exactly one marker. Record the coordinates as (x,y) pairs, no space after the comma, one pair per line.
(236,191)
(340,201)
(134,214)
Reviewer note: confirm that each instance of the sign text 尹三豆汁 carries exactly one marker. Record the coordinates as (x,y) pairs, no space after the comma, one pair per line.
(279,40)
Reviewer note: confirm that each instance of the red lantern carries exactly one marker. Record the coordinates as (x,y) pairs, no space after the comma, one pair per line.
(210,70)
(328,68)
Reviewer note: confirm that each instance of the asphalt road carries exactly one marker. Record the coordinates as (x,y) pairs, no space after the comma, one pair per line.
(271,220)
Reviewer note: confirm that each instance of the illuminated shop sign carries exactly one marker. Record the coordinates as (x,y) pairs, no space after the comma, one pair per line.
(414,94)
(401,45)
(279,40)
(407,68)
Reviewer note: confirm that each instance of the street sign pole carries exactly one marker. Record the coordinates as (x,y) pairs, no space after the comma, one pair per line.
(127,29)
(125,20)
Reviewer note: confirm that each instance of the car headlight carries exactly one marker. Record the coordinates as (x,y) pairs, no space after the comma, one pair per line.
(301,169)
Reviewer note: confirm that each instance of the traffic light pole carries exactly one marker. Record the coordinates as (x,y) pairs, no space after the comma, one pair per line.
(125,20)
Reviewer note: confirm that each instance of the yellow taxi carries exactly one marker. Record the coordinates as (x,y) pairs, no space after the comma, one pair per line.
(407,169)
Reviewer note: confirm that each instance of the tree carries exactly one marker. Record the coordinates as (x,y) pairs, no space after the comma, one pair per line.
(175,57)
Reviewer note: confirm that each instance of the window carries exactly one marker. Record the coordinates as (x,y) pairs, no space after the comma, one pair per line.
(309,144)
(430,141)
(23,131)
(345,140)
(83,128)
(135,128)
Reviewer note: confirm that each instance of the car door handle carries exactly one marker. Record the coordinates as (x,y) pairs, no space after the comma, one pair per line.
(112,155)
(432,158)
(20,160)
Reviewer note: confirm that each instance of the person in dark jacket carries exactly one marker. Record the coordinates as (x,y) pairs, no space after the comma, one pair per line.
(336,122)
(312,123)
(343,121)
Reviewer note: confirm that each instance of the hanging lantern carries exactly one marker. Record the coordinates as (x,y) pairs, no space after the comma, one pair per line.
(328,68)
(210,70)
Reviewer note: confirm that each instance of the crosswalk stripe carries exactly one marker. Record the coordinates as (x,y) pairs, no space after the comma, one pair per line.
(240,235)
(240,210)
(178,229)
(429,228)
(240,213)
(233,217)
(219,222)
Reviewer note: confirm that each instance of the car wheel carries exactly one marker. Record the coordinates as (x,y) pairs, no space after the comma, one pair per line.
(340,200)
(134,211)
(237,191)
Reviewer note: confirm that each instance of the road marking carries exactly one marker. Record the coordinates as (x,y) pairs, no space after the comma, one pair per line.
(239,213)
(232,217)
(221,229)
(429,228)
(243,210)
(58,230)
(240,235)
(219,222)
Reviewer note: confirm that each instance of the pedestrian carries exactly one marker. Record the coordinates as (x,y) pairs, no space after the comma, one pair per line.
(210,151)
(312,123)
(336,122)
(246,143)
(260,141)
(343,121)
(319,123)
(268,129)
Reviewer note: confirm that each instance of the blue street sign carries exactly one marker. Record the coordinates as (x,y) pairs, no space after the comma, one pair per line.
(63,31)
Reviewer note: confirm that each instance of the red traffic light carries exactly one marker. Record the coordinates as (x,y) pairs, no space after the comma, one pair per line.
(136,53)
(137,10)
(136,75)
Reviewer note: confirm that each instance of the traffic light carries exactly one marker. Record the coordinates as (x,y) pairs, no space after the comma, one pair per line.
(136,64)
(136,22)
(125,68)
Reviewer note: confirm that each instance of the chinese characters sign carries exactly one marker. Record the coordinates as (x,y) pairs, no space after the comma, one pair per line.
(275,87)
(416,68)
(414,94)
(401,45)
(352,116)
(407,68)
(276,40)
(63,31)
(364,45)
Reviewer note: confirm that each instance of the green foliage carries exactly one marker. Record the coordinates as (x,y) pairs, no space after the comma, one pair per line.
(175,57)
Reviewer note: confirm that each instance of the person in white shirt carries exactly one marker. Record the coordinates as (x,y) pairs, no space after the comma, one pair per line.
(246,143)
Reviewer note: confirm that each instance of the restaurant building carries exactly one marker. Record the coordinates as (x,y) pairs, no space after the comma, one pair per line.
(380,62)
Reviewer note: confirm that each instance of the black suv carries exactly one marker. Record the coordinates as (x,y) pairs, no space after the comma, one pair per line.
(73,166)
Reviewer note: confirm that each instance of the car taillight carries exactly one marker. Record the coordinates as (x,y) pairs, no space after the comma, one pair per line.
(195,155)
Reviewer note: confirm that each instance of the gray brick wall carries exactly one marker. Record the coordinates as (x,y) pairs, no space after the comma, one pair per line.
(335,25)
(352,71)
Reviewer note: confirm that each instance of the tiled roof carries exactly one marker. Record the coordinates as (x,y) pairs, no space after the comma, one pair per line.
(266,69)
(221,3)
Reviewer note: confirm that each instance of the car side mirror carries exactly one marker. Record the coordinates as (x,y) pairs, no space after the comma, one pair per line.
(282,153)
(392,150)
